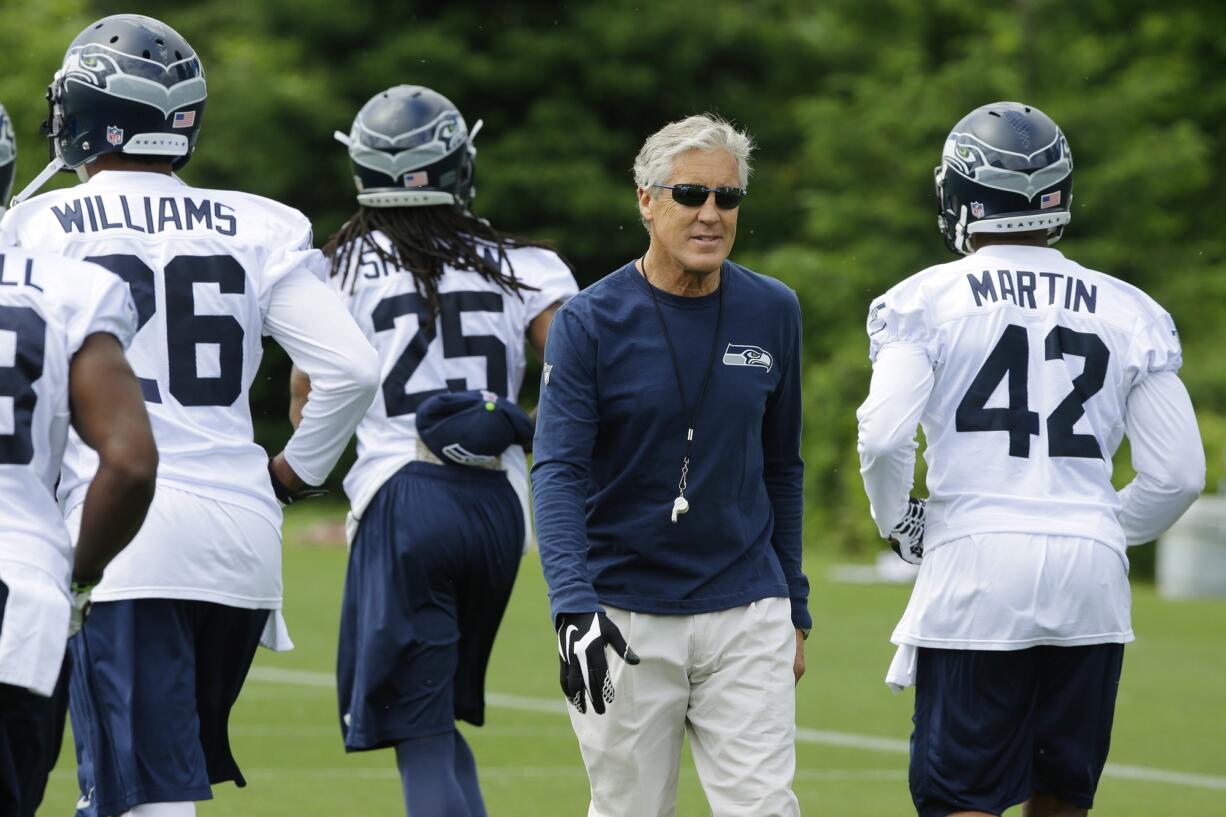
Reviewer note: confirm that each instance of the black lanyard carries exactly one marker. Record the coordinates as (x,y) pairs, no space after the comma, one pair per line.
(681,504)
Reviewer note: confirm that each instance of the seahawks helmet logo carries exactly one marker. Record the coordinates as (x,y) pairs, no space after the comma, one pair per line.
(1011,171)
(397,154)
(164,87)
(745,355)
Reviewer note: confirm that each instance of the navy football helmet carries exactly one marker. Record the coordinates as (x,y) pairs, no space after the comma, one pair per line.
(410,147)
(8,158)
(1005,168)
(129,84)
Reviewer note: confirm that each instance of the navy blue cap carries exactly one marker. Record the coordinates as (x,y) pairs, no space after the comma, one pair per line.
(471,427)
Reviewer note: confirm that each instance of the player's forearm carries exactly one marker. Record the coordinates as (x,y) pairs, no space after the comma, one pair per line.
(319,335)
(108,412)
(1167,455)
(114,510)
(329,418)
(1149,507)
(902,381)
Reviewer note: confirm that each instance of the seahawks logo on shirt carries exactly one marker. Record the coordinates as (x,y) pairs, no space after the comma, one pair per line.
(745,355)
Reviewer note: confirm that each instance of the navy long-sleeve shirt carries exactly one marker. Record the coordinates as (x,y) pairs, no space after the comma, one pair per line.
(610,437)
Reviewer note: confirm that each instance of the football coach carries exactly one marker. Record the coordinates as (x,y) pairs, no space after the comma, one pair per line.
(668,499)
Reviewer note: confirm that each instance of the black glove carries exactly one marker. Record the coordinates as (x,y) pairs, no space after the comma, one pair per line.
(582,638)
(907,538)
(287,497)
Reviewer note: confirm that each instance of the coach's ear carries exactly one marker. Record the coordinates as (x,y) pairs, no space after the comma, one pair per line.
(645,199)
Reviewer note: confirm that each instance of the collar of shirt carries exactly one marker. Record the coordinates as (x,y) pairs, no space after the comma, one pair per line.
(135,178)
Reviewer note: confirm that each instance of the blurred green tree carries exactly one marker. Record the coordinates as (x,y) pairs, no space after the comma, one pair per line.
(849,103)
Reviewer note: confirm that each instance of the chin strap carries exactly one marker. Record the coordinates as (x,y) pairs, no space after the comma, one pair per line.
(55,166)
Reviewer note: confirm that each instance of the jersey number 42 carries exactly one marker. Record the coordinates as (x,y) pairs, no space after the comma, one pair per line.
(1010,358)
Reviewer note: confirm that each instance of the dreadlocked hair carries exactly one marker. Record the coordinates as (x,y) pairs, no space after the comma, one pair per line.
(423,241)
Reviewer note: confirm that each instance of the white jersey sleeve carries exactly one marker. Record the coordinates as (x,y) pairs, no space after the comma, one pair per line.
(900,317)
(543,269)
(1155,343)
(305,318)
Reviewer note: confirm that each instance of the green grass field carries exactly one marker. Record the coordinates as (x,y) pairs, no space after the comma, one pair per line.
(1167,756)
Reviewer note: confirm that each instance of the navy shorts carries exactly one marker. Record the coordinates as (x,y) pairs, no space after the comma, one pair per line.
(991,728)
(152,686)
(31,730)
(430,574)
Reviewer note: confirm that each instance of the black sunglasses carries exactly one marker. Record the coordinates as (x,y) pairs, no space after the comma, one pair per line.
(695,195)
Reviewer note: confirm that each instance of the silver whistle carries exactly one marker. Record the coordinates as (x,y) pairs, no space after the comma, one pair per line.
(680,505)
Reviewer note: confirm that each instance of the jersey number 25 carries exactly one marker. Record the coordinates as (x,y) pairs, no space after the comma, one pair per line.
(455,344)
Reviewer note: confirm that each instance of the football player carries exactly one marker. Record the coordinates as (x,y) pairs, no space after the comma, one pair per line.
(448,301)
(1025,369)
(179,614)
(63,325)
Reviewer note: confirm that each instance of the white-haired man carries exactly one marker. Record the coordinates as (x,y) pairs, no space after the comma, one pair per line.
(667,490)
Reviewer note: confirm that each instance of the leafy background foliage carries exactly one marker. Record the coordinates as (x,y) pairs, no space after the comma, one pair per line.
(849,102)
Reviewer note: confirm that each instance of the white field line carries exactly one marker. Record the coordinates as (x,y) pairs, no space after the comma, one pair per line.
(824,737)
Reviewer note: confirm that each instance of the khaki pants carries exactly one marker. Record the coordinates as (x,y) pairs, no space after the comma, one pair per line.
(726,679)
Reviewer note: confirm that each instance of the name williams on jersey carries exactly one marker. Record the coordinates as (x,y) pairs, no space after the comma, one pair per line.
(145,214)
(1031,290)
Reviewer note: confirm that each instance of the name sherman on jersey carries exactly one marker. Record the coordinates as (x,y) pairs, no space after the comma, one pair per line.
(145,214)
(476,342)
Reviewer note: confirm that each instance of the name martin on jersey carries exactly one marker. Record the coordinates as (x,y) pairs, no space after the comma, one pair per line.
(145,214)
(1031,290)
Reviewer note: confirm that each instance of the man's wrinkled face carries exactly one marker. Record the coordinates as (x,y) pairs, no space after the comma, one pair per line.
(697,239)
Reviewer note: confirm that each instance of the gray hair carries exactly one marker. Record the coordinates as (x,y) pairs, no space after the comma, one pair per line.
(654,164)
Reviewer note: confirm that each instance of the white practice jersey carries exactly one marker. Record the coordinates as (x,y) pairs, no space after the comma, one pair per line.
(210,272)
(1033,357)
(48,307)
(477,342)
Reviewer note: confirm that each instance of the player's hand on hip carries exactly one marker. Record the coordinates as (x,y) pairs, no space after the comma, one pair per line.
(907,537)
(582,638)
(286,485)
(79,592)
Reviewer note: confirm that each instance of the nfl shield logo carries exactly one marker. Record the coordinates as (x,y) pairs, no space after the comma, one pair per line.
(977,209)
(114,135)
